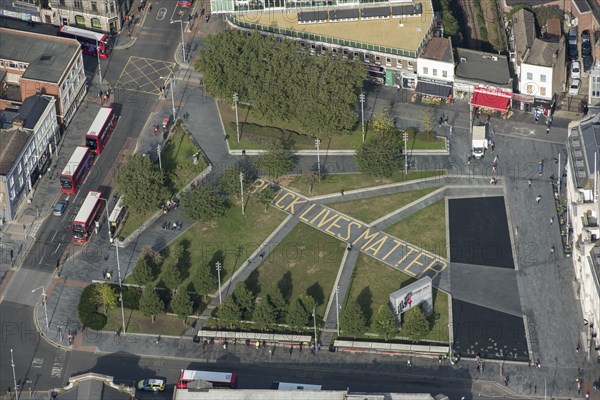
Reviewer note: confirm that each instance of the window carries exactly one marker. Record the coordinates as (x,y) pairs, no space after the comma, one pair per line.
(434,72)
(78,4)
(425,70)
(19,168)
(542,91)
(410,65)
(13,65)
(529,76)
(112,8)
(445,74)
(355,55)
(12,194)
(11,181)
(529,89)
(377,60)
(399,63)
(79,20)
(367,58)
(62,3)
(388,61)
(20,181)
(542,78)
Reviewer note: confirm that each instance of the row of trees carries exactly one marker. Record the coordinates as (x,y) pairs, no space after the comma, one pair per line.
(282,82)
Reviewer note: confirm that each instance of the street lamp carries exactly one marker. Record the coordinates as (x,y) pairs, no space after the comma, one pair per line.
(99,66)
(171,84)
(218,266)
(120,283)
(314,314)
(110,239)
(318,146)
(12,364)
(158,149)
(237,121)
(362,113)
(43,302)
(182,45)
(242,189)
(405,138)
(337,308)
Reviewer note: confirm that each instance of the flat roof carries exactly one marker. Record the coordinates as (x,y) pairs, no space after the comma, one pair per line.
(481,66)
(13,141)
(48,56)
(404,33)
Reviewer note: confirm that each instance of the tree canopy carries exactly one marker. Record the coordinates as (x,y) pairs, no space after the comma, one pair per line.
(385,324)
(415,325)
(277,160)
(352,320)
(150,303)
(379,156)
(282,82)
(142,184)
(181,304)
(205,203)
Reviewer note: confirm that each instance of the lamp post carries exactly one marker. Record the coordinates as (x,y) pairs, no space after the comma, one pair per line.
(362,113)
(337,308)
(43,302)
(171,84)
(182,44)
(242,190)
(315,324)
(12,364)
(158,149)
(110,239)
(218,266)
(237,121)
(99,66)
(318,146)
(405,138)
(120,283)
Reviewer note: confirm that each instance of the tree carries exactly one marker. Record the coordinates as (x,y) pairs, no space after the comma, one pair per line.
(310,177)
(352,320)
(142,272)
(385,323)
(205,203)
(297,315)
(308,302)
(142,184)
(204,279)
(154,258)
(230,180)
(277,160)
(181,304)
(150,303)
(277,301)
(379,157)
(264,314)
(171,275)
(383,123)
(177,253)
(244,299)
(427,121)
(106,297)
(229,313)
(415,325)
(266,196)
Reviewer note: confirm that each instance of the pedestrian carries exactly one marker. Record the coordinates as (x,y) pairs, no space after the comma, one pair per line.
(517,230)
(244,153)
(493,146)
(342,192)
(552,249)
(468,160)
(225,345)
(496,160)
(108,276)
(155,128)
(103,274)
(349,248)
(100,94)
(551,220)
(494,168)
(529,182)
(408,363)
(492,181)
(537,363)
(538,198)
(547,130)
(257,345)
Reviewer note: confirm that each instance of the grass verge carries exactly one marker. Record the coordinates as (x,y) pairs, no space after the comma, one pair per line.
(425,228)
(372,283)
(137,322)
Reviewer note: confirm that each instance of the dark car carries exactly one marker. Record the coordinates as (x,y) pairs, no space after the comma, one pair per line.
(573,52)
(586,43)
(588,62)
(60,208)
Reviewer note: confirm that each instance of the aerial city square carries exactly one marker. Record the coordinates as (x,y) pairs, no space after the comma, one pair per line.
(299,199)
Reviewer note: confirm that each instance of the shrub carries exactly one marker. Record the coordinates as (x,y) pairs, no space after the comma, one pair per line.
(131,297)
(87,309)
(96,321)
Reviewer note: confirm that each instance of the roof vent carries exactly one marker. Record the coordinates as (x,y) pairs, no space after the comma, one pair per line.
(463,59)
(45,57)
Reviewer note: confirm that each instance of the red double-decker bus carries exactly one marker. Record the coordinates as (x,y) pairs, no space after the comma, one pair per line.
(218,379)
(101,129)
(85,221)
(76,170)
(92,43)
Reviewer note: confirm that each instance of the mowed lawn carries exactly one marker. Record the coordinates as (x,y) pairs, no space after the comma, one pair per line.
(425,228)
(306,261)
(136,321)
(372,283)
(334,183)
(372,208)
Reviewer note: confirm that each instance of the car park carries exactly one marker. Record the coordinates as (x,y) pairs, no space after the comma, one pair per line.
(152,385)
(574,88)
(575,70)
(588,62)
(60,208)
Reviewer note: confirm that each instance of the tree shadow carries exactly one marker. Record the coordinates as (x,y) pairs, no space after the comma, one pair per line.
(365,301)
(286,286)
(252,282)
(316,292)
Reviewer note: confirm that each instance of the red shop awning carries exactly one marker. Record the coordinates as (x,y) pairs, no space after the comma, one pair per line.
(490,101)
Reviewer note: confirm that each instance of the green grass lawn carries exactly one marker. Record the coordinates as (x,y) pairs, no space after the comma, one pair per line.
(134,221)
(255,133)
(334,183)
(178,161)
(307,260)
(425,228)
(370,209)
(229,240)
(372,283)
(137,322)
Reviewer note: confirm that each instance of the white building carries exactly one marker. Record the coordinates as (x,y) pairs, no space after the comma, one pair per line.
(106,15)
(435,68)
(583,148)
(16,157)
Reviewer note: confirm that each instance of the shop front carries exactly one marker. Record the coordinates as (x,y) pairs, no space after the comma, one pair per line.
(491,100)
(433,91)
(408,80)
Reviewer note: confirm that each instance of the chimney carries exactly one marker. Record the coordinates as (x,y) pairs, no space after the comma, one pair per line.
(17,122)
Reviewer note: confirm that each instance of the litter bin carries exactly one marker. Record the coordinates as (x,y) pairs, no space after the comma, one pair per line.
(196,339)
(331,348)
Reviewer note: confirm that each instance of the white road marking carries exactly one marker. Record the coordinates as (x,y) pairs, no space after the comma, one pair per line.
(37,362)
(57,247)
(161,14)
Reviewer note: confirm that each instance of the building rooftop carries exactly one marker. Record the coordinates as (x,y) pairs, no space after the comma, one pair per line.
(32,109)
(542,53)
(524,30)
(512,3)
(48,56)
(484,67)
(400,35)
(583,5)
(94,386)
(254,394)
(13,141)
(439,49)
(584,150)
(553,30)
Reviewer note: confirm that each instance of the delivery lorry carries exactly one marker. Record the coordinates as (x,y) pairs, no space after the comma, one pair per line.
(480,141)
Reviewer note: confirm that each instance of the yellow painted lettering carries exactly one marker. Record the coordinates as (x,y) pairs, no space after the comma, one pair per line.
(324,221)
(349,230)
(375,247)
(415,261)
(398,243)
(335,225)
(312,205)
(368,236)
(285,195)
(296,201)
(410,251)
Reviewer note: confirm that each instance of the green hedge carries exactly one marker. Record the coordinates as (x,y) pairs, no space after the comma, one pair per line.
(87,309)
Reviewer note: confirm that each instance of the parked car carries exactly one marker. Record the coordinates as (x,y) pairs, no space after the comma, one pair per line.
(152,385)
(575,70)
(572,35)
(573,52)
(60,208)
(588,62)
(575,86)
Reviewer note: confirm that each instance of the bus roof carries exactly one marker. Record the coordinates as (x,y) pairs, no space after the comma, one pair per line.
(101,37)
(116,211)
(99,121)
(78,155)
(191,375)
(294,386)
(88,206)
